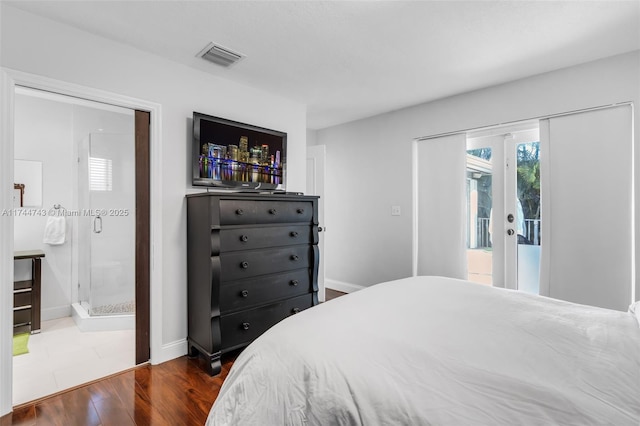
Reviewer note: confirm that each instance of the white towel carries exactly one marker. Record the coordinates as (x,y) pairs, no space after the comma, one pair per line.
(54,230)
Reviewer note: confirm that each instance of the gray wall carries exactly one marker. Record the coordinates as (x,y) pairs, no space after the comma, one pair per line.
(369,161)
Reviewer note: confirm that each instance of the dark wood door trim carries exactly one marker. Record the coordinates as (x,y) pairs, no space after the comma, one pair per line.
(143,231)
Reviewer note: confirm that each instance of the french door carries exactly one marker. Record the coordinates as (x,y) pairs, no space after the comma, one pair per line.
(503,207)
(587,207)
(565,182)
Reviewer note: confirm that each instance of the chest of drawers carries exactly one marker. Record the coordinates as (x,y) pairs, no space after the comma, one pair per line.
(252,261)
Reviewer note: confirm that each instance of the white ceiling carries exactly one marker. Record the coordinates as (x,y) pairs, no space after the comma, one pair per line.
(352,59)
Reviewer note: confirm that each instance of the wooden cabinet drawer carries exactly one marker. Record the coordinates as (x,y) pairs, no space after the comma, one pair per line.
(239,212)
(262,237)
(243,327)
(252,292)
(22,299)
(252,260)
(21,316)
(250,263)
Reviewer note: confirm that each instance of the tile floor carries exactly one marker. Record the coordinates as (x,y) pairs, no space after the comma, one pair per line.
(61,356)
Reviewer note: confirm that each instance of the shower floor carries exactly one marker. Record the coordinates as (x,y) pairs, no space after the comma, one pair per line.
(115,308)
(113,320)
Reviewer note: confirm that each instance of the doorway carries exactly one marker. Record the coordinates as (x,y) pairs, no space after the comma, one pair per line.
(100,155)
(578,170)
(503,207)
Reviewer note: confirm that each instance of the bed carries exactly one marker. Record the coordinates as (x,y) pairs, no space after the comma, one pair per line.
(438,351)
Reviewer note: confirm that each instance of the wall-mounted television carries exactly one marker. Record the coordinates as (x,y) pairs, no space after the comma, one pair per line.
(233,155)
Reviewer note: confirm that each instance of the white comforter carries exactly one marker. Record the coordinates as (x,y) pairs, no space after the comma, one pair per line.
(437,351)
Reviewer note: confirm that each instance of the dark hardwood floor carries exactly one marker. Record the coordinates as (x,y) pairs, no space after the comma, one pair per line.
(332,294)
(177,392)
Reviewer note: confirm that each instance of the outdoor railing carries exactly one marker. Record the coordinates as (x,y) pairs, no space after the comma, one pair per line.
(531,232)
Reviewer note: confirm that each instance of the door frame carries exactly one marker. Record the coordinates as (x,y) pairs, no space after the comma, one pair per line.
(316,155)
(9,79)
(502,140)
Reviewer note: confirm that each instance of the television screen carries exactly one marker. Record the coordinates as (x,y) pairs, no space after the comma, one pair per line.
(230,154)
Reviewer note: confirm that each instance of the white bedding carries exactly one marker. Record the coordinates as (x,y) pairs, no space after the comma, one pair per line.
(438,351)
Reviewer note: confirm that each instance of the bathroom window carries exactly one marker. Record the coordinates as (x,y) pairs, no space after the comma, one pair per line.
(100,174)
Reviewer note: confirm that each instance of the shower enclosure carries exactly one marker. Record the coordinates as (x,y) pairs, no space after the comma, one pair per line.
(106,232)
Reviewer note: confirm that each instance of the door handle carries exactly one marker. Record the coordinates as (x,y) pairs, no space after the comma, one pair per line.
(97,224)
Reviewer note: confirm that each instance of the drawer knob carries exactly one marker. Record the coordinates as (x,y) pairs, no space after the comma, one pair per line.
(244,265)
(245,293)
(293,234)
(295,310)
(293,282)
(239,212)
(294,257)
(300,210)
(244,238)
(273,211)
(245,325)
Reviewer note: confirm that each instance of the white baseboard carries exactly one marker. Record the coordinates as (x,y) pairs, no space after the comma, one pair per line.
(170,351)
(49,314)
(342,286)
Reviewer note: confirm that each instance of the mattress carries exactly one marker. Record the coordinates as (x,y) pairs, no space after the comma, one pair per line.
(438,351)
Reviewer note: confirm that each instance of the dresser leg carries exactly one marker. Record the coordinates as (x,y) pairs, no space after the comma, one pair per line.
(214,367)
(193,352)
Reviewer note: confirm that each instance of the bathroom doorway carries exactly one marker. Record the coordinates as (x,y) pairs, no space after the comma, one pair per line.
(95,176)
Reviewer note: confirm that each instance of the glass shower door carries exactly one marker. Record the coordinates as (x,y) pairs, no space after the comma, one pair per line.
(109,226)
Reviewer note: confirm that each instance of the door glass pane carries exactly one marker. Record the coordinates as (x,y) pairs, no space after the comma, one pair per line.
(111,198)
(528,216)
(479,205)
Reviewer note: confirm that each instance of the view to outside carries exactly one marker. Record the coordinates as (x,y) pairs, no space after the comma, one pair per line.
(479,199)
(479,205)
(528,193)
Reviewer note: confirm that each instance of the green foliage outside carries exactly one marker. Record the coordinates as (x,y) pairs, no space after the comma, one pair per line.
(528,160)
(528,156)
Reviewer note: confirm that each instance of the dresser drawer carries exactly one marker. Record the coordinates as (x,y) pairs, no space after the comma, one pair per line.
(245,264)
(239,212)
(243,327)
(21,316)
(252,292)
(262,237)
(22,299)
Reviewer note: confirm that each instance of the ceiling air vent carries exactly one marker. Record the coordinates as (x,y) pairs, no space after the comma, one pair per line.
(220,55)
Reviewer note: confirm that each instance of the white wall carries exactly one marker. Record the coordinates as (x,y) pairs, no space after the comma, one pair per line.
(369,161)
(50,142)
(42,47)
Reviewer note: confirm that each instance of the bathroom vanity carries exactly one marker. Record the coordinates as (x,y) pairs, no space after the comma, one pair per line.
(26,294)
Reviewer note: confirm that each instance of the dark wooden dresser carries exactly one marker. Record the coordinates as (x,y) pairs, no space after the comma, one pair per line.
(252,261)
